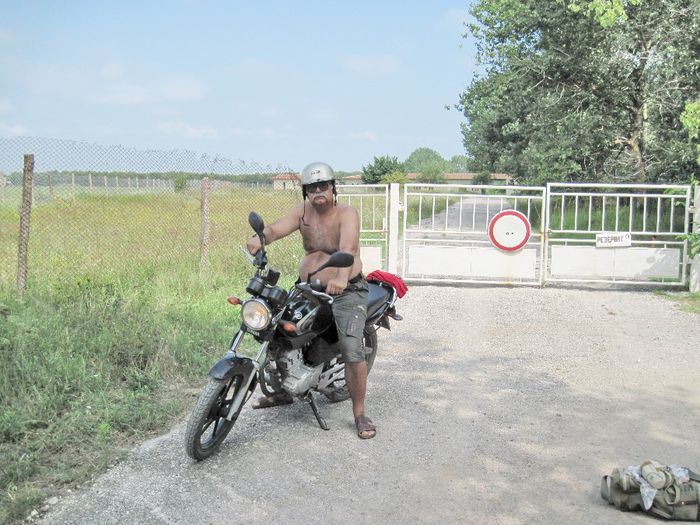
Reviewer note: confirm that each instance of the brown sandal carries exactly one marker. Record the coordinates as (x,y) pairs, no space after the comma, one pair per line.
(365,427)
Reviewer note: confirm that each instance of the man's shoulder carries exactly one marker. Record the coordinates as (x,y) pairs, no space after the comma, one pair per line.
(345,209)
(297,209)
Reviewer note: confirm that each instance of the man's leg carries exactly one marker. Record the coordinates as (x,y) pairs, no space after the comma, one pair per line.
(350,313)
(356,380)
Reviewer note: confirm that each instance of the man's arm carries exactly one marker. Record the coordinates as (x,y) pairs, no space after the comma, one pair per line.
(349,242)
(278,229)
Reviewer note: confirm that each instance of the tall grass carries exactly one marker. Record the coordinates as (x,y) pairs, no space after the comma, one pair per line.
(618,216)
(117,323)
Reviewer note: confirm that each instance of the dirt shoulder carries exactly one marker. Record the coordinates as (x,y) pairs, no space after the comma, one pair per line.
(494,405)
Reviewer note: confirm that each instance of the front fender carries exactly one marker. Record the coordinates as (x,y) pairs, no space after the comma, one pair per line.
(227,367)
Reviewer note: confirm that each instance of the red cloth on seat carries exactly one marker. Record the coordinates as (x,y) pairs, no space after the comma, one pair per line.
(393,280)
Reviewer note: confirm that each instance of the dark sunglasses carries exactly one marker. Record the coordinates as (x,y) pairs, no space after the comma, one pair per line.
(317,186)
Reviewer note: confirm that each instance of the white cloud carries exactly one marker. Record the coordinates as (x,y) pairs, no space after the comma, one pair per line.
(112,70)
(375,64)
(126,93)
(323,115)
(5,105)
(13,130)
(123,94)
(186,130)
(366,136)
(183,88)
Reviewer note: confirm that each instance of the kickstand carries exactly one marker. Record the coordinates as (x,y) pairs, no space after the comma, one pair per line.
(321,422)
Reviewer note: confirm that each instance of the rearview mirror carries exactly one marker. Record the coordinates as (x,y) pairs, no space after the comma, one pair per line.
(256,223)
(337,260)
(340,260)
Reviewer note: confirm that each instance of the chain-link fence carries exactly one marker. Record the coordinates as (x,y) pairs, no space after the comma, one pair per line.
(97,209)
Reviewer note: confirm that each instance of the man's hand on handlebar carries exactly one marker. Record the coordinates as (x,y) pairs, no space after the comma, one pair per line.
(253,245)
(336,286)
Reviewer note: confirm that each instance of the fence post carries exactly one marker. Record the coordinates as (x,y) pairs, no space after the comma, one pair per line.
(695,263)
(204,219)
(394,206)
(25,213)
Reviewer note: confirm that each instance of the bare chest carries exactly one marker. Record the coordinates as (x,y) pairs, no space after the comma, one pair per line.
(320,234)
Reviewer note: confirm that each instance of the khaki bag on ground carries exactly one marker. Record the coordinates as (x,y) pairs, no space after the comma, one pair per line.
(668,492)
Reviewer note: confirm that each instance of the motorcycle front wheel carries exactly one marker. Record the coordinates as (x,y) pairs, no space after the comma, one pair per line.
(339,390)
(208,425)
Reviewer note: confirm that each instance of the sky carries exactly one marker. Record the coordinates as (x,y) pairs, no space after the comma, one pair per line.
(272,82)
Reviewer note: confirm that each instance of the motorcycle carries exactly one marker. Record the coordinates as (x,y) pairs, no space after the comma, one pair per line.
(298,349)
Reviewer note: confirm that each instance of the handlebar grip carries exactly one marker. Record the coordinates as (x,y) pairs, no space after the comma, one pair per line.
(309,292)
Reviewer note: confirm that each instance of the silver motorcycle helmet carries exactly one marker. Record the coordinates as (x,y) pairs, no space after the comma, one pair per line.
(317,172)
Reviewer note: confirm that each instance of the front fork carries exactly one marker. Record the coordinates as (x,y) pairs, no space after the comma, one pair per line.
(248,367)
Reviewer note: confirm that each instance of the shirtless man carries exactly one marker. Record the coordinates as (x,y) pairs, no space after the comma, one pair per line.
(327,227)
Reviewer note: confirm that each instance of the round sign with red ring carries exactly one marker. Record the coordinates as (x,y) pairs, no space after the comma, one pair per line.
(509,230)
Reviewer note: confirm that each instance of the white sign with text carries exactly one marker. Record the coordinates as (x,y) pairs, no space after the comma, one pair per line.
(613,239)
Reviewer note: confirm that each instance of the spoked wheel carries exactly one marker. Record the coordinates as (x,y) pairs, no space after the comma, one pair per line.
(208,425)
(338,391)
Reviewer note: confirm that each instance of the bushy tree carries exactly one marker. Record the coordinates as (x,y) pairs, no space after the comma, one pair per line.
(379,168)
(583,89)
(462,164)
(395,176)
(433,172)
(691,121)
(420,158)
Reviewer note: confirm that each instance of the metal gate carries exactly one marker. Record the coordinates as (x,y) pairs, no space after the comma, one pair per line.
(439,232)
(372,204)
(445,234)
(649,222)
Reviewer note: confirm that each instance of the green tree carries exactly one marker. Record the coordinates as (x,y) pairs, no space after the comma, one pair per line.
(420,158)
(379,168)
(462,164)
(691,122)
(433,172)
(394,176)
(589,90)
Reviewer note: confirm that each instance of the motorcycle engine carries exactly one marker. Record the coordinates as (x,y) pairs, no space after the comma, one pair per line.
(299,377)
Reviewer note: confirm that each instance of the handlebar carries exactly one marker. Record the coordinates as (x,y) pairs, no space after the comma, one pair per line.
(310,291)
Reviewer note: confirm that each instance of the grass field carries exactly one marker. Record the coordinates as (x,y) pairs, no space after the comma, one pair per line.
(117,324)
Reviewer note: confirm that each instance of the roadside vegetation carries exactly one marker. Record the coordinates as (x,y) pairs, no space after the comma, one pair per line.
(117,330)
(689,302)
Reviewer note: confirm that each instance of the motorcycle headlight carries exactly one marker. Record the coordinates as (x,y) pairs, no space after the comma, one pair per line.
(256,314)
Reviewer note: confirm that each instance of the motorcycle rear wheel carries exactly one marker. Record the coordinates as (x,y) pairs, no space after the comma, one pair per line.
(208,425)
(339,391)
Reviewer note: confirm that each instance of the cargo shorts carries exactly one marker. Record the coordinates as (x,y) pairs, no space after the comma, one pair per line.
(350,313)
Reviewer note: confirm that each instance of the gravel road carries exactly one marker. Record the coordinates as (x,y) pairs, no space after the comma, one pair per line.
(493,405)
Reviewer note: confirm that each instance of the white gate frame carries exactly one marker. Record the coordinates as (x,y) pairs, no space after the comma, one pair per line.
(372,204)
(616,265)
(379,206)
(456,243)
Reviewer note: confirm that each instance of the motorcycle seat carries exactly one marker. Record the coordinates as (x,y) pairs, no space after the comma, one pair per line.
(379,294)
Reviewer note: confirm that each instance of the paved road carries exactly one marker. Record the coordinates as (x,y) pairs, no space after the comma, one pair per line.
(494,405)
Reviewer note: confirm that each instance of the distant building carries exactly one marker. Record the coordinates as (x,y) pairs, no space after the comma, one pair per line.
(450,178)
(286,181)
(466,178)
(3,180)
